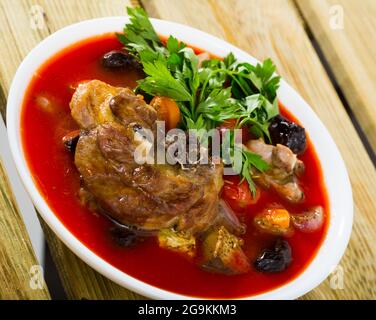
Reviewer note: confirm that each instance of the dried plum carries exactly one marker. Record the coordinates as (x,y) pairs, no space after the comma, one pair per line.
(288,133)
(275,259)
(124,237)
(119,60)
(70,140)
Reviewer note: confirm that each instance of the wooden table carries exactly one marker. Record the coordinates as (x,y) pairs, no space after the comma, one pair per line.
(324,48)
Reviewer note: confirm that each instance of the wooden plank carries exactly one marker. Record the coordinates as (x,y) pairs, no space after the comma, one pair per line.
(16,21)
(345,32)
(17,259)
(78,279)
(264,29)
(274,29)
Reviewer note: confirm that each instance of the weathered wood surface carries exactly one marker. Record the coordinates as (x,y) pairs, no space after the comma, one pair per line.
(18,266)
(16,20)
(346,33)
(274,29)
(270,28)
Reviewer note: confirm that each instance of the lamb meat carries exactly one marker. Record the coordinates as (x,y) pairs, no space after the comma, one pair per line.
(146,196)
(284,169)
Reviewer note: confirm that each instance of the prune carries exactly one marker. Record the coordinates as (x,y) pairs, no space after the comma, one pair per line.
(119,60)
(70,140)
(275,259)
(123,237)
(288,133)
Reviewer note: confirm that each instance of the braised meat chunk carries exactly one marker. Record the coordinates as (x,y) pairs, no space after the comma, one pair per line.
(284,169)
(146,196)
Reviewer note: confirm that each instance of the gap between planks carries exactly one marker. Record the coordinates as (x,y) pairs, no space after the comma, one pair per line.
(331,70)
(226,26)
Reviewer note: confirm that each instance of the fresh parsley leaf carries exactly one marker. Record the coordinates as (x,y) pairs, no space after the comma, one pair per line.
(256,160)
(256,79)
(159,81)
(269,82)
(229,60)
(250,161)
(173,45)
(140,25)
(208,94)
(219,106)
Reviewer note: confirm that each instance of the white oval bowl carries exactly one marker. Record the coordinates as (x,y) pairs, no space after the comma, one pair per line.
(334,170)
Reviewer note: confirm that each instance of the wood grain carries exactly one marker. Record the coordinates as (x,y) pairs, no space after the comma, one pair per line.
(79,280)
(274,29)
(16,254)
(263,28)
(350,51)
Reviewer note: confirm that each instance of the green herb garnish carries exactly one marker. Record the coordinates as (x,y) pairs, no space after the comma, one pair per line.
(209,94)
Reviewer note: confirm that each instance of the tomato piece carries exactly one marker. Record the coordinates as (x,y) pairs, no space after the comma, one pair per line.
(230,124)
(239,196)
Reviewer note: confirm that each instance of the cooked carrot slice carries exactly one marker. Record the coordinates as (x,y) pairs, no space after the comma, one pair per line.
(274,220)
(168,111)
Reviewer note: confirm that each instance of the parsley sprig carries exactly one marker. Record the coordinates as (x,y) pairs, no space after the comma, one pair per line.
(207,94)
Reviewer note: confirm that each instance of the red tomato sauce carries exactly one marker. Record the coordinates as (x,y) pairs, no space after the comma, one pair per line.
(58,180)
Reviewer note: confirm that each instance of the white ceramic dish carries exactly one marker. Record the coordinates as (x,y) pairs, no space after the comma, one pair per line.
(336,178)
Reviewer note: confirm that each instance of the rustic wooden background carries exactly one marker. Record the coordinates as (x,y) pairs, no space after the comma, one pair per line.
(331,64)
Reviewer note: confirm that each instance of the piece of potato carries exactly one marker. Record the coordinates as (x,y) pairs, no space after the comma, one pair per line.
(222,253)
(181,242)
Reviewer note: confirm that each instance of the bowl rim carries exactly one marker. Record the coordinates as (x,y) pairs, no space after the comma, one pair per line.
(334,171)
